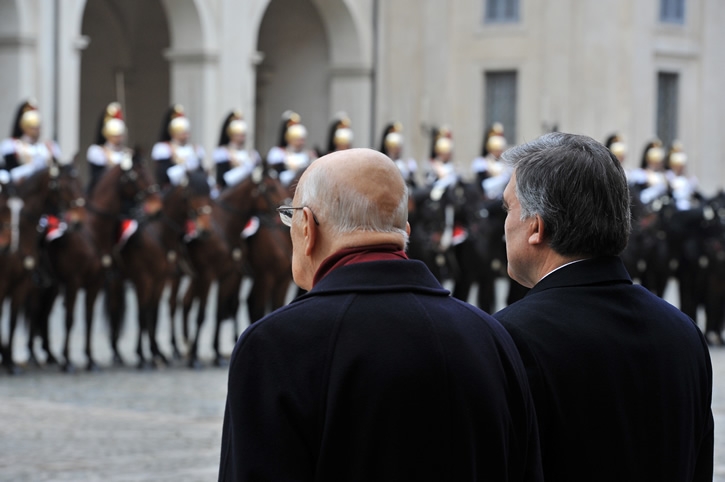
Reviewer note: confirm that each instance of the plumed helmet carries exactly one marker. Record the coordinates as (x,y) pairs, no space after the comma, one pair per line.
(294,132)
(289,118)
(615,143)
(340,133)
(442,142)
(174,112)
(677,156)
(391,141)
(114,127)
(496,143)
(110,123)
(233,124)
(653,153)
(27,116)
(496,130)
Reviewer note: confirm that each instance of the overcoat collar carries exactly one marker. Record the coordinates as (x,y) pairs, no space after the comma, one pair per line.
(603,269)
(379,277)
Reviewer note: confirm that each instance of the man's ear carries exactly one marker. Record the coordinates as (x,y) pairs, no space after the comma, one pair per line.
(309,231)
(407,228)
(536,230)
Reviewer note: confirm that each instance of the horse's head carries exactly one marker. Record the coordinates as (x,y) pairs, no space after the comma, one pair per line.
(267,193)
(189,202)
(130,183)
(65,185)
(259,194)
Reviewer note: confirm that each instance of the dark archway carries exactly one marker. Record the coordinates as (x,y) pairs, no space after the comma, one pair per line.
(125,62)
(294,73)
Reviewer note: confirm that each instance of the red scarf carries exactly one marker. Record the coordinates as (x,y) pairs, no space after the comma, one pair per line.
(359,254)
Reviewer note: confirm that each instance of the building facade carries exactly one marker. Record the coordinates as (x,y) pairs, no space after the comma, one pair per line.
(652,68)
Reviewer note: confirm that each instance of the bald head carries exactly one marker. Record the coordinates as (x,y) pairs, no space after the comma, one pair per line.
(356,190)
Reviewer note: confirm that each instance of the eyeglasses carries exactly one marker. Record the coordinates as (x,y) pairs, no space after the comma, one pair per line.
(286,212)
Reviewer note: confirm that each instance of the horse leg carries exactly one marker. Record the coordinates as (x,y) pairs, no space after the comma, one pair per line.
(186,305)
(259,297)
(202,292)
(115,308)
(227,307)
(255,303)
(143,300)
(16,305)
(91,295)
(153,317)
(173,302)
(32,315)
(71,290)
(43,313)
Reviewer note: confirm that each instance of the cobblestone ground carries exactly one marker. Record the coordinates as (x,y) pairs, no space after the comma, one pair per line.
(122,424)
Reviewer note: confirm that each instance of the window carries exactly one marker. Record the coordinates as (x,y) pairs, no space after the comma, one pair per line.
(667,93)
(501,11)
(672,11)
(500,88)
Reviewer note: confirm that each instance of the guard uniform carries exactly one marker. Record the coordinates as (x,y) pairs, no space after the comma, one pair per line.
(492,174)
(109,148)
(232,160)
(174,149)
(23,153)
(650,178)
(684,188)
(442,172)
(290,157)
(392,146)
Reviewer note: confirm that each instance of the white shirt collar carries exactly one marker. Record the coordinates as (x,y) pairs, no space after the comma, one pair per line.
(563,265)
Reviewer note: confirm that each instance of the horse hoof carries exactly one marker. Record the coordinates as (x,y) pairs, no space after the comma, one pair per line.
(33,362)
(176,355)
(220,361)
(195,364)
(160,360)
(69,368)
(93,367)
(144,365)
(13,369)
(118,361)
(51,360)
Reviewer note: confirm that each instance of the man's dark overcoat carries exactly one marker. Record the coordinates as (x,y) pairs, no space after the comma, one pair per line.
(621,379)
(378,374)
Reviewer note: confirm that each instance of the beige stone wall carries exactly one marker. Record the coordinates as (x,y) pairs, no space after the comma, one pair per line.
(587,66)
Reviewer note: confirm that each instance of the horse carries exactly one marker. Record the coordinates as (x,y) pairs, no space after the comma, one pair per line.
(185,215)
(221,253)
(45,191)
(432,222)
(647,255)
(481,256)
(269,250)
(123,190)
(74,265)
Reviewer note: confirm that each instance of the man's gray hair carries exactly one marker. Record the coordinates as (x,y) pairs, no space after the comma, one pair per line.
(347,210)
(579,190)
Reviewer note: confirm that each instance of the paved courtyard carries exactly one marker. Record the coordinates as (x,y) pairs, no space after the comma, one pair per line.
(123,424)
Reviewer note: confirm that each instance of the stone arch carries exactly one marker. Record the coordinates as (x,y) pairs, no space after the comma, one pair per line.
(192,58)
(124,61)
(191,25)
(15,43)
(332,59)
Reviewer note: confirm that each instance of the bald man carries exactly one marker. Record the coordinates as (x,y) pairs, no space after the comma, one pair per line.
(376,373)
